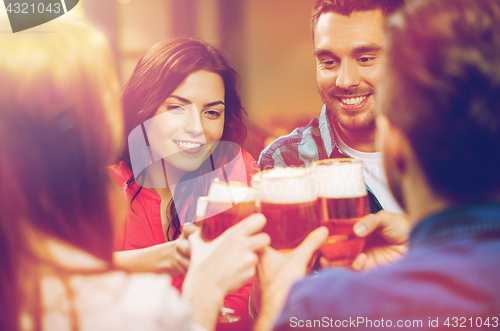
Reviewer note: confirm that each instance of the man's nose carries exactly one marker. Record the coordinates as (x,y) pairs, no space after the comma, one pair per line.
(193,123)
(348,76)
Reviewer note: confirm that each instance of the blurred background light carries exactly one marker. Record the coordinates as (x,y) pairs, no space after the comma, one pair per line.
(267,42)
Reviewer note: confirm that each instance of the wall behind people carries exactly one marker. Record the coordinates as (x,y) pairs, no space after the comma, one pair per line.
(267,41)
(279,74)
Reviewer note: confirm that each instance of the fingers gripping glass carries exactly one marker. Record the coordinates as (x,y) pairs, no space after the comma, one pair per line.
(227,203)
(343,201)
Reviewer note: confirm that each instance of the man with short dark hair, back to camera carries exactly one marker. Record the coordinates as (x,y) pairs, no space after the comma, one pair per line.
(439,117)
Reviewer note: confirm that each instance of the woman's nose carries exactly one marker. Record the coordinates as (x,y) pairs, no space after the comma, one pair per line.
(193,123)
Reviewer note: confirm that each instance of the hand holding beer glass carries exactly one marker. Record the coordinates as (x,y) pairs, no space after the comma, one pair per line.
(289,205)
(227,203)
(343,198)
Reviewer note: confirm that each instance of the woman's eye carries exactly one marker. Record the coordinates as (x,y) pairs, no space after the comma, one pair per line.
(175,108)
(214,114)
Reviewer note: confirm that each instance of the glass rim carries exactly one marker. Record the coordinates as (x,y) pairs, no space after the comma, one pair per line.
(307,172)
(326,162)
(230,182)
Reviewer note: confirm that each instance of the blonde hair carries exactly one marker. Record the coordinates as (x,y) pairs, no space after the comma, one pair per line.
(60,126)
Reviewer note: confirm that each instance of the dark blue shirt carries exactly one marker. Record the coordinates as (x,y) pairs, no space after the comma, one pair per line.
(451,275)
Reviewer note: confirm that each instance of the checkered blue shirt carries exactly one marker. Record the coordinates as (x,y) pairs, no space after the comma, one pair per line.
(315,141)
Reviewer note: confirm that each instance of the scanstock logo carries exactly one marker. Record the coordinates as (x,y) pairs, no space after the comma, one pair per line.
(25,14)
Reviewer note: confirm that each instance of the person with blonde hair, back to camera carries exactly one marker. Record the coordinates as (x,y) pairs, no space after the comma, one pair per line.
(60,128)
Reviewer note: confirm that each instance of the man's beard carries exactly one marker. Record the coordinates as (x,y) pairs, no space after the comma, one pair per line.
(350,121)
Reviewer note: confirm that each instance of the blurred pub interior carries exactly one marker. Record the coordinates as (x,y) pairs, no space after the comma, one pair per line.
(268,42)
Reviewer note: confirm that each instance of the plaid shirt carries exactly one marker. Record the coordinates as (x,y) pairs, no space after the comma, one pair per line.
(315,141)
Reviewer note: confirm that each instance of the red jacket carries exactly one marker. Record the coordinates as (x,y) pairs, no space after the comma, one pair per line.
(143,227)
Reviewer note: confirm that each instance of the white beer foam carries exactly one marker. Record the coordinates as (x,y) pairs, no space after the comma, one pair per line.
(339,180)
(201,206)
(285,172)
(286,186)
(255,182)
(222,192)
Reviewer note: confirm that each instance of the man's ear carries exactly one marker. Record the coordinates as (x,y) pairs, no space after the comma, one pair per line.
(393,143)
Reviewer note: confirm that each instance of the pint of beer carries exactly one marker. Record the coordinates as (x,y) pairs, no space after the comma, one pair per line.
(343,198)
(255,182)
(201,208)
(289,204)
(227,203)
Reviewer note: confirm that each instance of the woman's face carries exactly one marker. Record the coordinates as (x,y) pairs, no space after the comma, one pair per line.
(190,123)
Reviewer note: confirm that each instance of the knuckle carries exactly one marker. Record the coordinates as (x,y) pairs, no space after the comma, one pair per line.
(251,273)
(253,259)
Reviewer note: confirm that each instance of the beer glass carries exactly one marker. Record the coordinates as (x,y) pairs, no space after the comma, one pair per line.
(201,208)
(255,183)
(289,205)
(343,197)
(227,203)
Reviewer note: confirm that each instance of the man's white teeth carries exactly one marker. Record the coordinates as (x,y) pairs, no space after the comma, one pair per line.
(353,101)
(184,144)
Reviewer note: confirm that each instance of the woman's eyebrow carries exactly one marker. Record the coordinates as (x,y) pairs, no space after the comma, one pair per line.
(187,101)
(215,103)
(181,99)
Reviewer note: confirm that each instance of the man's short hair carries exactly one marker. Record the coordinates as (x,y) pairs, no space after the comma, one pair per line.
(346,7)
(444,60)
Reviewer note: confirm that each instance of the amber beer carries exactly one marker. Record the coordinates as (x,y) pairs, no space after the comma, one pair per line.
(214,226)
(227,203)
(290,207)
(343,199)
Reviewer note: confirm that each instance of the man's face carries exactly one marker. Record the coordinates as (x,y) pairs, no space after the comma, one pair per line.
(349,54)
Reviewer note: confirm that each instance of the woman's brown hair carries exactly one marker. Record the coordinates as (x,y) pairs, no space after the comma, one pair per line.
(159,72)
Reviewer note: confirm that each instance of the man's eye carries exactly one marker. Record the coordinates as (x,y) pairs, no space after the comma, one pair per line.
(366,59)
(328,63)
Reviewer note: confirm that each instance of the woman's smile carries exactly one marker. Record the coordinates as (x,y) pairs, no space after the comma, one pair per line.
(191,147)
(188,125)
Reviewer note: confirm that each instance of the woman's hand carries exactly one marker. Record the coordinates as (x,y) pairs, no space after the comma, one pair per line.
(221,266)
(171,257)
(179,261)
(229,260)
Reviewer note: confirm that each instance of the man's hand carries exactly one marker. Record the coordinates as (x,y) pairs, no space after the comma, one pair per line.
(387,243)
(278,271)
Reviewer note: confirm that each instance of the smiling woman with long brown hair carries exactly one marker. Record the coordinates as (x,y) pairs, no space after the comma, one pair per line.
(60,128)
(184,127)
